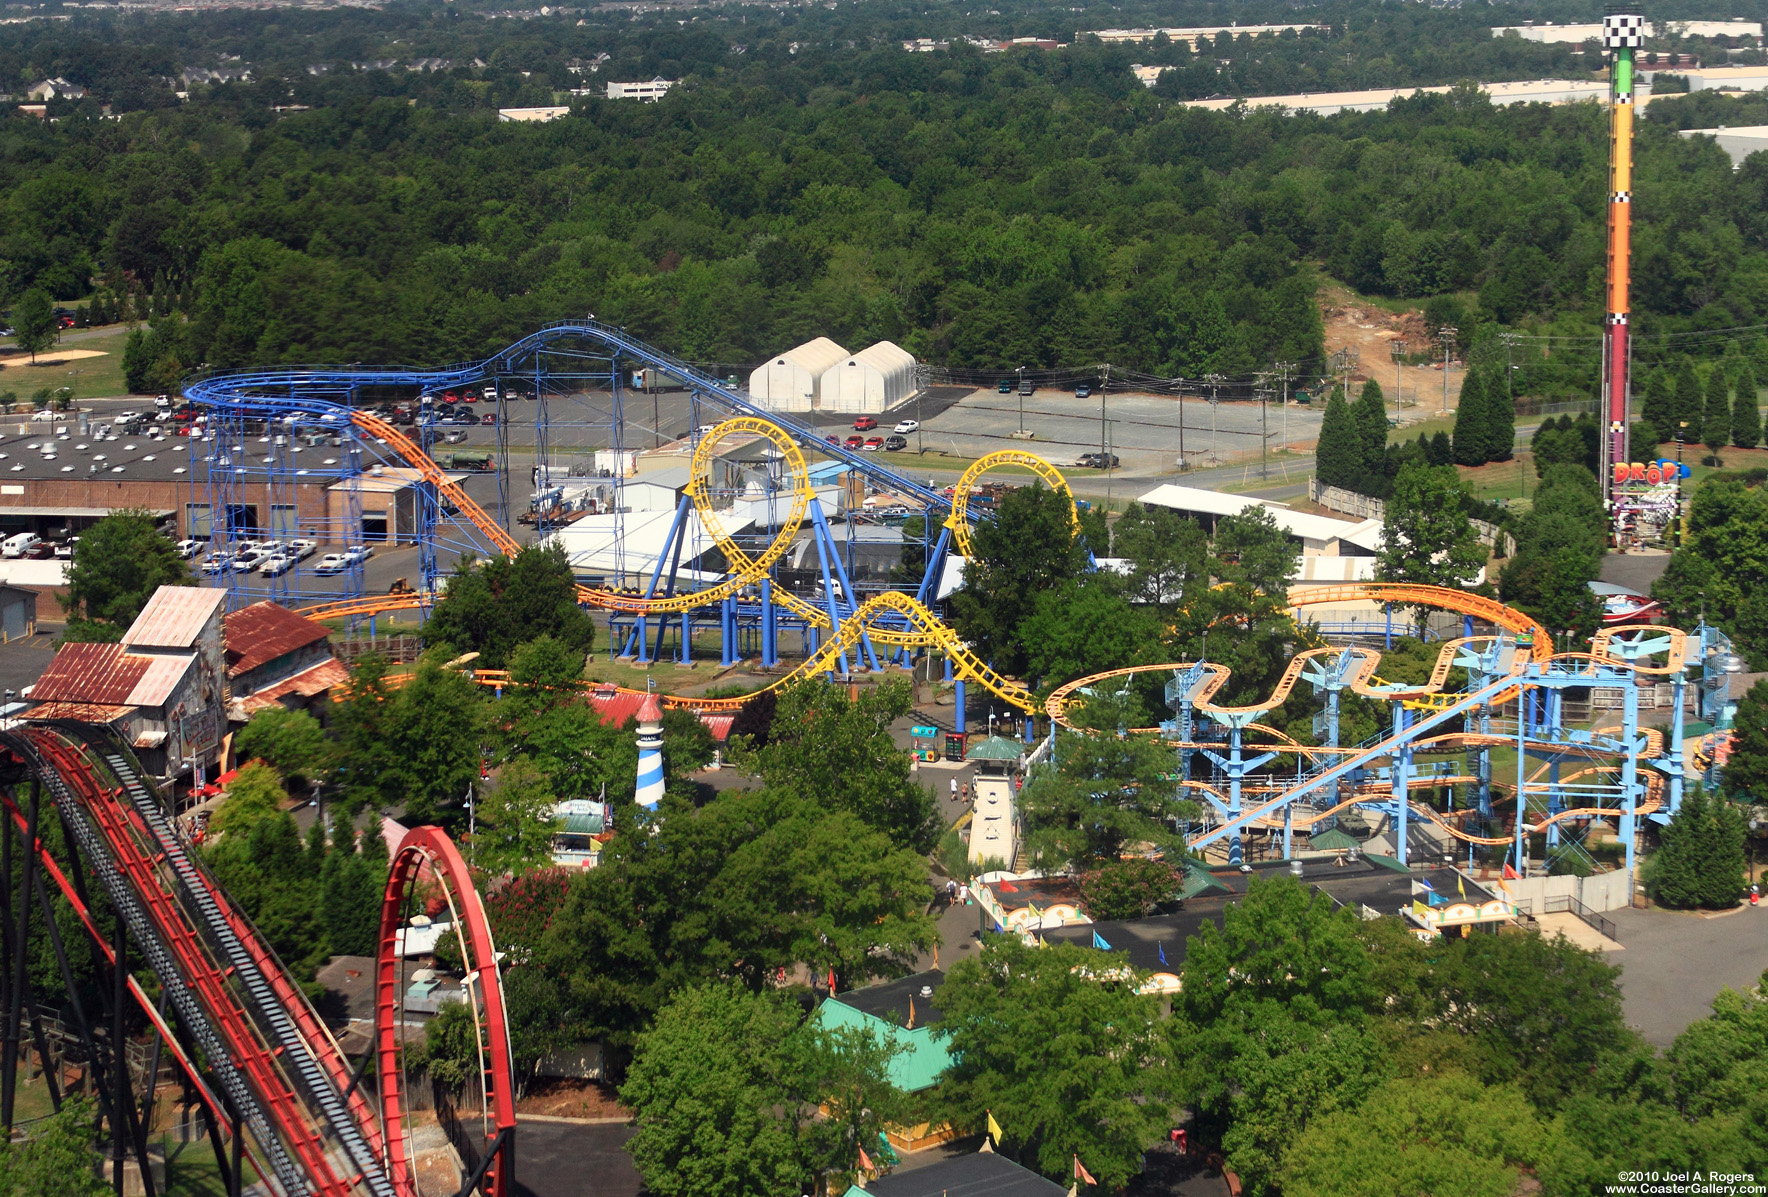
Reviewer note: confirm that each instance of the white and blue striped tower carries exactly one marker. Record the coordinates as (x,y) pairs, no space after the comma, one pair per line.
(650,753)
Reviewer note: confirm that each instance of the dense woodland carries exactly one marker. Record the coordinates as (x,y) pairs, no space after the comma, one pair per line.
(1031,208)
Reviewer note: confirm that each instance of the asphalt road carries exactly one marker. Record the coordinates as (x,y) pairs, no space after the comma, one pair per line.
(1675,963)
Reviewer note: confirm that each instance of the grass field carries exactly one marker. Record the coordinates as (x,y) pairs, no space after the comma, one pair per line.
(90,377)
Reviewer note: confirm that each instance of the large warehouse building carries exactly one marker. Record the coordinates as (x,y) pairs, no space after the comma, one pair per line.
(793,380)
(873,380)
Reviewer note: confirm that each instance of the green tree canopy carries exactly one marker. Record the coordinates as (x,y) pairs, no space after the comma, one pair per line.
(291,742)
(1746,770)
(1339,455)
(1027,548)
(118,564)
(1370,410)
(1746,416)
(513,822)
(1658,408)
(1472,424)
(725,1091)
(1700,859)
(1427,537)
(1690,403)
(491,607)
(1059,1045)
(34,323)
(1715,419)
(1167,552)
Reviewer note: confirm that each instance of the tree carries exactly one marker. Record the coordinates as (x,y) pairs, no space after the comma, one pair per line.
(1447,1134)
(1427,537)
(1027,548)
(493,606)
(1338,456)
(291,742)
(1715,420)
(1472,431)
(431,747)
(1127,889)
(1719,572)
(1700,860)
(118,565)
(839,752)
(1167,553)
(1500,421)
(1441,451)
(1658,408)
(514,822)
(1746,417)
(35,325)
(1371,412)
(1251,551)
(1689,403)
(58,1159)
(545,720)
(1105,791)
(352,879)
(1746,770)
(725,1091)
(1270,1021)
(254,795)
(1061,1048)
(1084,627)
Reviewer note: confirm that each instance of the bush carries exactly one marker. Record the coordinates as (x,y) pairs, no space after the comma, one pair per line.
(1127,889)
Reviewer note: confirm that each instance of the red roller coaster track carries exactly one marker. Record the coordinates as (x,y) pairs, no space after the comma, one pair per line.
(267,1059)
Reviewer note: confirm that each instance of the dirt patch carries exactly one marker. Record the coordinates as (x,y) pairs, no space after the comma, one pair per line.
(1368,331)
(562,1098)
(53,358)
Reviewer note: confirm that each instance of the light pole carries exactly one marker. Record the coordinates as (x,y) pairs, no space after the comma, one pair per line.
(1398,350)
(1285,371)
(1446,334)
(1021,389)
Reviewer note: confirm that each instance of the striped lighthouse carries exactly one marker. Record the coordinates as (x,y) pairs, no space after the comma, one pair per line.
(1623,32)
(650,752)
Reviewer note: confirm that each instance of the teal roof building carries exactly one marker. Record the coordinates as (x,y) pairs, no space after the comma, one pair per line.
(903,1009)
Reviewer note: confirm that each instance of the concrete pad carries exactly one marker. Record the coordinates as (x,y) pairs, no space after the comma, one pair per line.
(1578,931)
(1676,964)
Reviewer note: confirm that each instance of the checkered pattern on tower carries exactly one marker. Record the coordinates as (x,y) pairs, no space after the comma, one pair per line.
(1623,29)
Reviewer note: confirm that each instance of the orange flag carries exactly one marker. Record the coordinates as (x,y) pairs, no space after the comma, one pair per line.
(1080,1172)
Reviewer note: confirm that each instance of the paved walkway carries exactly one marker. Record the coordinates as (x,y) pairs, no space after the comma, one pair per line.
(1676,963)
(1578,931)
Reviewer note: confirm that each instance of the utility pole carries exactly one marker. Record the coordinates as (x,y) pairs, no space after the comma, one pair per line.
(1215,381)
(1398,350)
(1264,427)
(1181,426)
(1446,334)
(1509,339)
(1285,371)
(1021,389)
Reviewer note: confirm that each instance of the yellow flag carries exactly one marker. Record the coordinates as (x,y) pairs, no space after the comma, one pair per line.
(994,1128)
(1461,884)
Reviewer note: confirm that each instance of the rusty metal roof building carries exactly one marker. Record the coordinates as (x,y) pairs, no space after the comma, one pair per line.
(174,617)
(262,632)
(105,674)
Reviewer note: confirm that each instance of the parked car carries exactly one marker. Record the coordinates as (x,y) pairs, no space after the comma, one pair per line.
(893,443)
(873,444)
(489,419)
(65,550)
(44,415)
(833,440)
(1006,386)
(331,563)
(41,551)
(1097,461)
(855,442)
(1025,387)
(186,548)
(358,552)
(1083,391)
(864,424)
(217,563)
(276,566)
(303,549)
(907,426)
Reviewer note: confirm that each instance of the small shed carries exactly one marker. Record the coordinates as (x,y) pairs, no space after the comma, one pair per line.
(875,379)
(793,380)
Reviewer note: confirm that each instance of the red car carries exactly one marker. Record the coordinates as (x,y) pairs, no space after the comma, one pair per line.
(874,443)
(488,419)
(833,440)
(864,424)
(856,442)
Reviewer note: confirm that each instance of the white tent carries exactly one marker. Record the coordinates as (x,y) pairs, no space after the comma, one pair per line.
(793,380)
(872,380)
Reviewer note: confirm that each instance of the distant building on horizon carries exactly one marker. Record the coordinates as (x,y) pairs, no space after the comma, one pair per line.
(650,92)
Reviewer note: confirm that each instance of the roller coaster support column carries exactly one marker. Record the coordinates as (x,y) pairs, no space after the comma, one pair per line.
(729,650)
(1522,762)
(927,593)
(958,702)
(1630,768)
(1183,726)
(769,626)
(1402,779)
(831,554)
(1237,767)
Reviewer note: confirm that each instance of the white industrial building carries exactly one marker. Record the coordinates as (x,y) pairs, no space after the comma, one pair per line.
(1740,142)
(1328,103)
(650,92)
(793,380)
(1725,78)
(875,379)
(1552,34)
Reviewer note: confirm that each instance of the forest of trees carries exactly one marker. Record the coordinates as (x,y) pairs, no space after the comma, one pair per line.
(985,210)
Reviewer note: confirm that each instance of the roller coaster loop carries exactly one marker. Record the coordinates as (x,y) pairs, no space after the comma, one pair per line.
(959,522)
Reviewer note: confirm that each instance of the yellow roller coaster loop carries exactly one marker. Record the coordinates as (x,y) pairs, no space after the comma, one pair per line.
(959,522)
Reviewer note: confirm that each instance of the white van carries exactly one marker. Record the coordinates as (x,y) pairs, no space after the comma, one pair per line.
(18,546)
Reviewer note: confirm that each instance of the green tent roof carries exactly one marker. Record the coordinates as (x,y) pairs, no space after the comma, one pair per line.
(1198,879)
(995,748)
(1332,841)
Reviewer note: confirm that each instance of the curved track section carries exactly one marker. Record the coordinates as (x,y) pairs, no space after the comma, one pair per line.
(428,850)
(265,1056)
(959,523)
